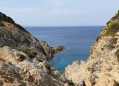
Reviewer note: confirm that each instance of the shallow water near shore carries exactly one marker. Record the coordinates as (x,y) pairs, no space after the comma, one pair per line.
(77,41)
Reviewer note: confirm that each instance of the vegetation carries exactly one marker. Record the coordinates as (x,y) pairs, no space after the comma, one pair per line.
(91,51)
(47,66)
(114,41)
(116,15)
(117,54)
(1,45)
(1,24)
(108,22)
(21,57)
(111,46)
(92,78)
(116,83)
(97,39)
(70,82)
(112,29)
(31,54)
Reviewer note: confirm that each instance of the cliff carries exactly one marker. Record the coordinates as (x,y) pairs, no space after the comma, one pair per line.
(24,59)
(15,36)
(102,66)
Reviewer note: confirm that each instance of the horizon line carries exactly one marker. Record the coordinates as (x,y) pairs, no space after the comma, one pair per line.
(68,26)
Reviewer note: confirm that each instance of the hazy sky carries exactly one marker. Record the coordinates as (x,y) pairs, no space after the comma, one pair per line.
(60,12)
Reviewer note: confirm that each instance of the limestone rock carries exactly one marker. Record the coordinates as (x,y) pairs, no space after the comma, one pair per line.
(103,71)
(59,49)
(24,59)
(26,72)
(49,50)
(15,36)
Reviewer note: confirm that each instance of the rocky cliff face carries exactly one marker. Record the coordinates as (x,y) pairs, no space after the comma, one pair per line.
(18,69)
(15,36)
(103,71)
(24,59)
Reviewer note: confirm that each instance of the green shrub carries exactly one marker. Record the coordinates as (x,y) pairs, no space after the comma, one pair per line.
(70,82)
(1,24)
(47,66)
(116,83)
(1,45)
(91,51)
(97,39)
(112,29)
(117,54)
(21,57)
(114,41)
(108,22)
(31,54)
(116,15)
(111,46)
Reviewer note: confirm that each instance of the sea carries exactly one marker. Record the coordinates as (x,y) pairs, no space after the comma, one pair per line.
(76,39)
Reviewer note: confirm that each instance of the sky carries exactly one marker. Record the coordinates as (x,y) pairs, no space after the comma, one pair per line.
(60,12)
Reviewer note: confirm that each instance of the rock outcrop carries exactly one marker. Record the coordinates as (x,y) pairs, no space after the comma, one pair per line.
(59,49)
(16,37)
(16,71)
(49,50)
(24,59)
(102,66)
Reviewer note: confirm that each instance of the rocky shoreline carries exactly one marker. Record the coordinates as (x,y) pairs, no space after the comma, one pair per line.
(102,66)
(24,59)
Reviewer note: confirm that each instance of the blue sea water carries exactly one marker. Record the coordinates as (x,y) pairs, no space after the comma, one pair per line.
(77,41)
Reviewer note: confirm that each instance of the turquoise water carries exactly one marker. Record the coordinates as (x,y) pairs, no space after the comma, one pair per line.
(77,41)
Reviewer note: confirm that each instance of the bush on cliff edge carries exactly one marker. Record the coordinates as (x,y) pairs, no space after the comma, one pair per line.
(112,29)
(31,54)
(117,54)
(116,15)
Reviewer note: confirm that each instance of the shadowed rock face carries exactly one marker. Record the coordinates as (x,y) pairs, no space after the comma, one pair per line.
(15,36)
(49,50)
(3,17)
